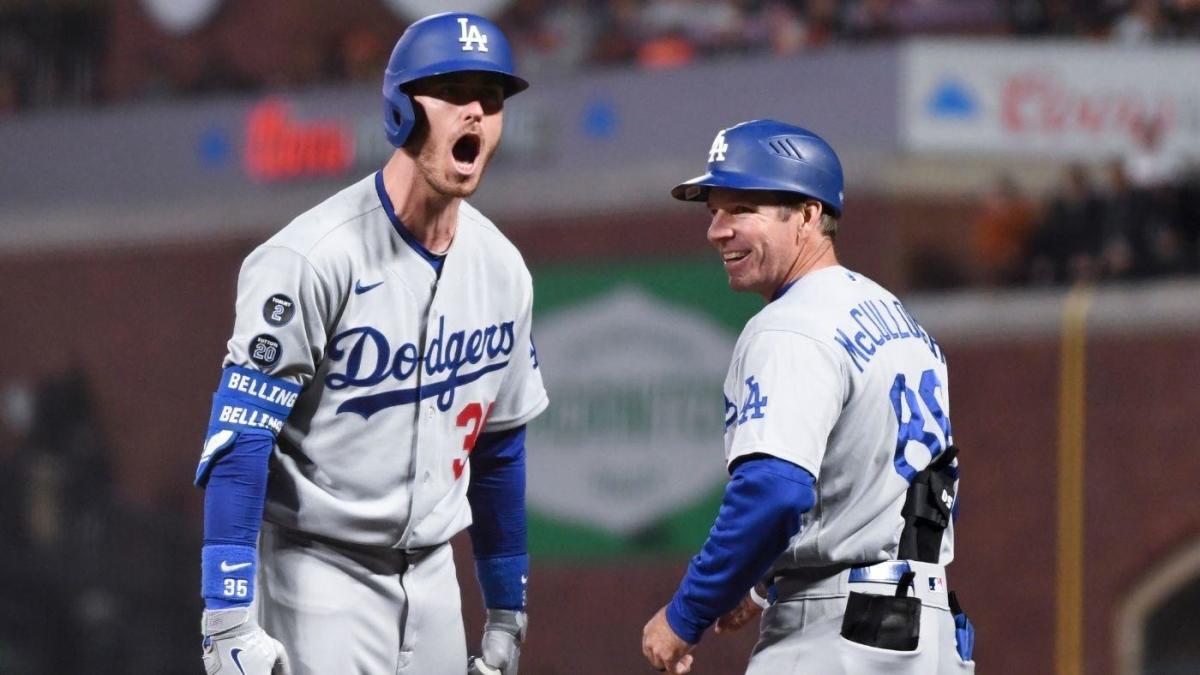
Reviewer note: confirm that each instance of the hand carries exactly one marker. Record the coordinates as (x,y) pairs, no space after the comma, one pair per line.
(235,644)
(746,611)
(503,634)
(665,650)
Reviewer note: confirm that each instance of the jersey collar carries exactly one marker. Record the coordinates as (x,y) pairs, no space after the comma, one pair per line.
(433,259)
(788,286)
(784,289)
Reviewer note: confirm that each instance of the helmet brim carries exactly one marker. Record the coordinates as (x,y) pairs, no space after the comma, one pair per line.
(696,189)
(512,84)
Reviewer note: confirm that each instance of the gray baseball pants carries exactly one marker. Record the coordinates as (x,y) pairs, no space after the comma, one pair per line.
(355,610)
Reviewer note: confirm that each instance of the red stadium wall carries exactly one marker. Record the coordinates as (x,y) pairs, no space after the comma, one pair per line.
(147,326)
(1140,507)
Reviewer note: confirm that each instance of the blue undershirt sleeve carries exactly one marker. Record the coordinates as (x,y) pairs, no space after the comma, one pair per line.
(233,498)
(233,508)
(760,513)
(498,531)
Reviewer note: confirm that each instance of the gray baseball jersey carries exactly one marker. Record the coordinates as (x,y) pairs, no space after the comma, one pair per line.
(401,368)
(837,377)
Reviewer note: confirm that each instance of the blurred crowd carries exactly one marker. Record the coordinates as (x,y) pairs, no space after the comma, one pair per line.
(1134,217)
(84,574)
(54,54)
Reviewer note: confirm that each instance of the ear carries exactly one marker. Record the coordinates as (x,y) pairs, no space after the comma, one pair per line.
(813,212)
(808,215)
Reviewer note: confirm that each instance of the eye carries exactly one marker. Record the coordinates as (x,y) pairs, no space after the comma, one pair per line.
(491,98)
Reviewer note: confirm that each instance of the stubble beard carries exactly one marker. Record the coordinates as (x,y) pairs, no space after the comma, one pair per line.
(748,281)
(446,181)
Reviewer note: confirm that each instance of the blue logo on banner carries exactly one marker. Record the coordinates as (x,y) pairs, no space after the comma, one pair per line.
(600,120)
(214,147)
(951,99)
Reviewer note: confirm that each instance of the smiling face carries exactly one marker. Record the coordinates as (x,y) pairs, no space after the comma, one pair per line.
(760,241)
(463,114)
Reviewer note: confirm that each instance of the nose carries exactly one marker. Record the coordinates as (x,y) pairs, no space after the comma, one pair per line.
(473,109)
(719,230)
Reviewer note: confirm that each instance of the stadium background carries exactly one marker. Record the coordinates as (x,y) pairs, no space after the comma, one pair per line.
(1023,173)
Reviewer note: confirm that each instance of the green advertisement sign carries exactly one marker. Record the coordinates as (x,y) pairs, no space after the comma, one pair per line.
(628,459)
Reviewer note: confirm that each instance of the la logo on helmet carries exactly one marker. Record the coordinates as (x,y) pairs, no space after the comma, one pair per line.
(470,37)
(717,152)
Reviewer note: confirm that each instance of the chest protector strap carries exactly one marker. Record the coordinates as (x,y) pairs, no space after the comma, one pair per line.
(927,509)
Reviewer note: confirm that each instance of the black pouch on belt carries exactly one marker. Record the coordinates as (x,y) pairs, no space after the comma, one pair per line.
(927,509)
(884,621)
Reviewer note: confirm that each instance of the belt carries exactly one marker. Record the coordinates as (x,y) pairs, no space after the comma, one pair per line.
(928,584)
(395,556)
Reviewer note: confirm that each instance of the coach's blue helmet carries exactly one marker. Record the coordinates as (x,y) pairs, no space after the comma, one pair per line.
(769,155)
(443,43)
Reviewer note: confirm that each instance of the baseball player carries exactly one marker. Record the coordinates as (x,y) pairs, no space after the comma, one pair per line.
(374,401)
(837,516)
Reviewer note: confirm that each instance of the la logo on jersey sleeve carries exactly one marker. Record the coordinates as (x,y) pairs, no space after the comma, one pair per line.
(754,404)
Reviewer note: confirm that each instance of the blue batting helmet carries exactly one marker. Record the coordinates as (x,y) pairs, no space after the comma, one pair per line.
(443,43)
(769,155)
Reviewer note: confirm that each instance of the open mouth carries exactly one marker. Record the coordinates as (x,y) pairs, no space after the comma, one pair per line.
(466,151)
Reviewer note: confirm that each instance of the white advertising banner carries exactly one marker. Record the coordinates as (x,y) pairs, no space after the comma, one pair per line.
(1046,98)
(633,433)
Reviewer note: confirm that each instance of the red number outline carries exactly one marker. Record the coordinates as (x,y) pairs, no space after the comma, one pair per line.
(472,417)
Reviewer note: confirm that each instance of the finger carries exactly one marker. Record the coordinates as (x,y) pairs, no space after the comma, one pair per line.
(655,662)
(684,665)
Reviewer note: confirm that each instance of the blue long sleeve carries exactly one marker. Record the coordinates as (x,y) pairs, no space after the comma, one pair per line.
(233,506)
(498,531)
(760,513)
(236,491)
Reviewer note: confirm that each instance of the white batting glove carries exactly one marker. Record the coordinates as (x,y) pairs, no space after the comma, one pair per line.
(503,634)
(234,644)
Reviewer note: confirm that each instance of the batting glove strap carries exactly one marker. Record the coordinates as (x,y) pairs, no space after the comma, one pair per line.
(503,634)
(509,621)
(227,622)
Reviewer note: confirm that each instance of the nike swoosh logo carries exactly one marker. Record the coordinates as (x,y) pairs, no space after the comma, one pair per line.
(226,567)
(237,661)
(359,289)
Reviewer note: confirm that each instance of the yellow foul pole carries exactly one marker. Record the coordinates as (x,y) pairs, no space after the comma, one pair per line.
(1068,633)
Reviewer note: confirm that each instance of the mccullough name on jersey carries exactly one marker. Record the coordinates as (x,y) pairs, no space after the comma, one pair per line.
(887,326)
(369,359)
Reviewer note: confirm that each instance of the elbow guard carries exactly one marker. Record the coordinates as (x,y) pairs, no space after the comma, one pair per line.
(246,402)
